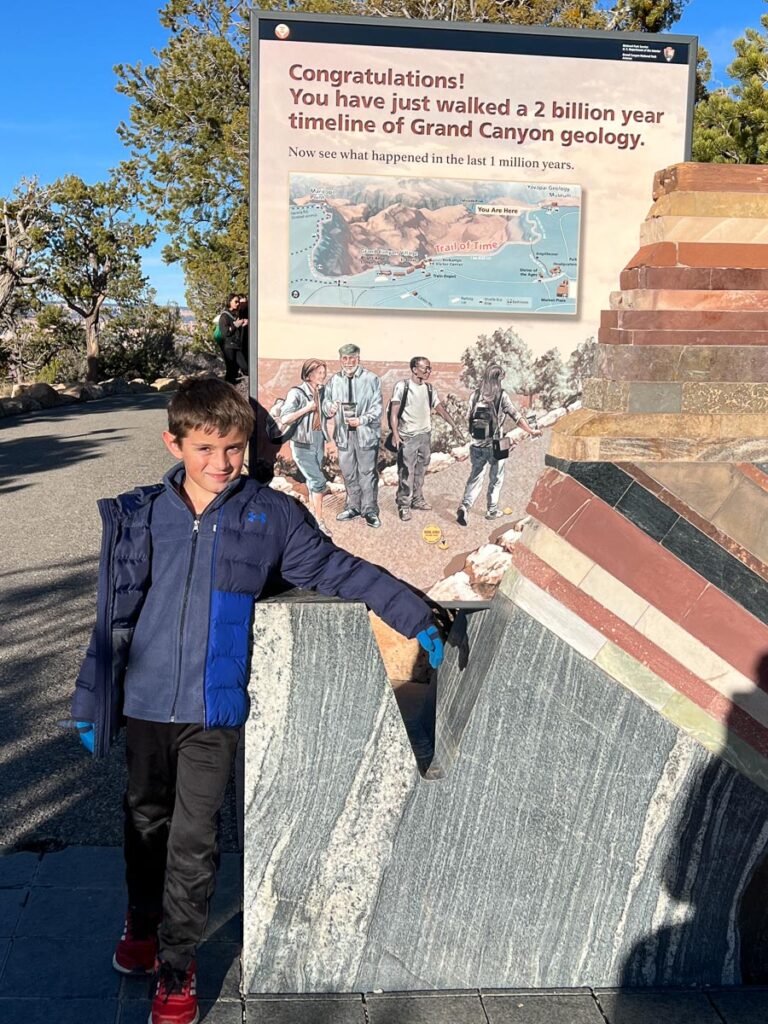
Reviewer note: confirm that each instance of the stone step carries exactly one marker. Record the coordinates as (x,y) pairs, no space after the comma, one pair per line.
(695,177)
(704,229)
(682,363)
(694,278)
(685,319)
(680,298)
(710,204)
(705,255)
(622,336)
(639,396)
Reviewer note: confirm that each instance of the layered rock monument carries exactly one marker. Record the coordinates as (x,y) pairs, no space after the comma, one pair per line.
(588,803)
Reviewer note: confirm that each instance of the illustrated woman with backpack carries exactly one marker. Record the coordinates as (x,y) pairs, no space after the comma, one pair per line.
(302,423)
(228,334)
(489,407)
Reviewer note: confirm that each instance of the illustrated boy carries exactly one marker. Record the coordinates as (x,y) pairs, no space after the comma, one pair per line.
(181,565)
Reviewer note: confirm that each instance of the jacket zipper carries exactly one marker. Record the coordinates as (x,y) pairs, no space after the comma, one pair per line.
(208,634)
(103,725)
(195,531)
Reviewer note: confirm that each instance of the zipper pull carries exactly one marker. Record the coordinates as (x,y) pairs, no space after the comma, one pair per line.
(195,526)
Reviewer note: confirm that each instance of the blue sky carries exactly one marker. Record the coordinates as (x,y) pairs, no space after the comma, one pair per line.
(60,111)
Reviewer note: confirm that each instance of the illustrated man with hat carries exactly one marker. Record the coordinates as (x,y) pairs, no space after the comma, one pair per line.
(353,400)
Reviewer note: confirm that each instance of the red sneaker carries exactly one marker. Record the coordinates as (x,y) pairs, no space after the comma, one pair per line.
(175,999)
(136,951)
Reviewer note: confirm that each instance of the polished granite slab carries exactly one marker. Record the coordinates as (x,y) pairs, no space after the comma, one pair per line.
(574,836)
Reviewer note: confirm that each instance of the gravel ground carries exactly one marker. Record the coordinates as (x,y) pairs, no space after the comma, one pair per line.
(54,465)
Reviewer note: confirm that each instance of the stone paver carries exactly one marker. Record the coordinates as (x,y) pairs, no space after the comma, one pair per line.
(305,1010)
(635,1007)
(742,1005)
(61,912)
(528,1008)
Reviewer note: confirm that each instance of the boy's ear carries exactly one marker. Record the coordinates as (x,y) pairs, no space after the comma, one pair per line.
(173,444)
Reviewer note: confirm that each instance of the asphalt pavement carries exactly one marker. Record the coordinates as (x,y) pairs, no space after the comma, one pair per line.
(54,465)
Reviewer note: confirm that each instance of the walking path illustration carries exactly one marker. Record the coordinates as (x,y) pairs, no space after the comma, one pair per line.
(62,899)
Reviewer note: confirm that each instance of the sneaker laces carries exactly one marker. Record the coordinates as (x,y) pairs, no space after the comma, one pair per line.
(169,980)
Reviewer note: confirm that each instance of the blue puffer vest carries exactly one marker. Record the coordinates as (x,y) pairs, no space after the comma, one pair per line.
(176,594)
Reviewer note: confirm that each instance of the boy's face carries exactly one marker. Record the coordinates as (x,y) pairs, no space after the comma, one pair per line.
(211,461)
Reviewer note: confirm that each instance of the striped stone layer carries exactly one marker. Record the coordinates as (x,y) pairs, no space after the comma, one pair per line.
(611,395)
(589,436)
(677,529)
(671,363)
(643,667)
(651,571)
(607,561)
(694,177)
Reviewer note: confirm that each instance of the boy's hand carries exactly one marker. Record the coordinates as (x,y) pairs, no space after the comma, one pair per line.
(432,643)
(85,732)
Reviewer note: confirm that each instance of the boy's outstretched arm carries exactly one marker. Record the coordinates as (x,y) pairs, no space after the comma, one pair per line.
(310,560)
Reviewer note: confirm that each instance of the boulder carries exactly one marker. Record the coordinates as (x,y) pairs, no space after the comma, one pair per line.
(138,386)
(389,476)
(461,454)
(486,567)
(11,406)
(92,391)
(508,539)
(75,392)
(165,384)
(454,588)
(42,393)
(115,386)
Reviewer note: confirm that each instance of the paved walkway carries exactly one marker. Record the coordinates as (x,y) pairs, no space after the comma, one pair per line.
(60,914)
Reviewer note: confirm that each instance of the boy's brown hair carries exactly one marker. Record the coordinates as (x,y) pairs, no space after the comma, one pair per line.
(209,404)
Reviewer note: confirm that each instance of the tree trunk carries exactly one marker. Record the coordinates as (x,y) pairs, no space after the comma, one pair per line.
(92,345)
(7,285)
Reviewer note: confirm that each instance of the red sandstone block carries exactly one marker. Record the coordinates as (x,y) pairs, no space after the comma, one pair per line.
(555,502)
(729,630)
(666,277)
(685,319)
(726,255)
(621,336)
(659,254)
(694,177)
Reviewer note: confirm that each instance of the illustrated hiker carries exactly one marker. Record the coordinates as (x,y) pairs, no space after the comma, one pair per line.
(410,420)
(182,563)
(489,407)
(353,399)
(302,414)
(231,328)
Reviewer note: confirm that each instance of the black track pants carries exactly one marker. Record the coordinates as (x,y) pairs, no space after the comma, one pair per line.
(177,775)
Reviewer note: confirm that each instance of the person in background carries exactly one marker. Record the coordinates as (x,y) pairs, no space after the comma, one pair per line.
(228,335)
(309,443)
(353,399)
(410,420)
(489,407)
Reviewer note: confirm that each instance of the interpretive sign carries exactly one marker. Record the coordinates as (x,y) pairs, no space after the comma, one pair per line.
(439,213)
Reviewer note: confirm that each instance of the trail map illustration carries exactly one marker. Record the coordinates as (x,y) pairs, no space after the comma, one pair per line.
(433,244)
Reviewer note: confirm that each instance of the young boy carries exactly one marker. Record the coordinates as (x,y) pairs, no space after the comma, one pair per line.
(181,565)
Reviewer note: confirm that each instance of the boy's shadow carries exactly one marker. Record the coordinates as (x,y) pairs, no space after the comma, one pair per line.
(713,895)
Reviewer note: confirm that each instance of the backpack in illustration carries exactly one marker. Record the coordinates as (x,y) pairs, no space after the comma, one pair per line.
(483,418)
